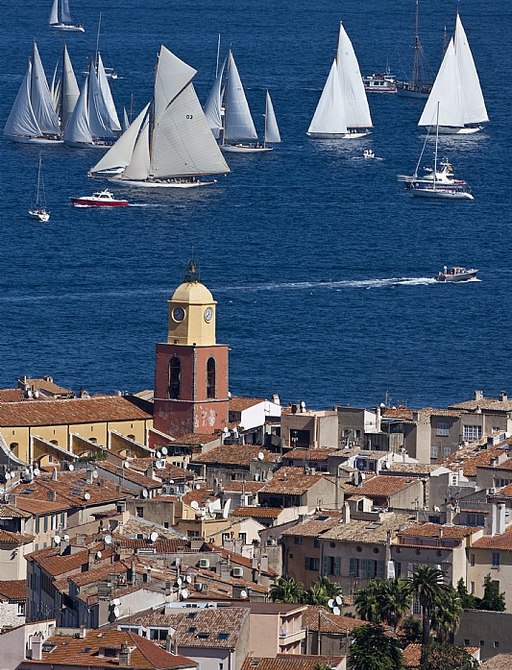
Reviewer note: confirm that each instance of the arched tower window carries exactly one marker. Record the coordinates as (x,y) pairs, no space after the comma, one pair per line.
(210,378)
(174,378)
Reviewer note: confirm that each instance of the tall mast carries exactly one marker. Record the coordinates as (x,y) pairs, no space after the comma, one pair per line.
(417,47)
(218,56)
(98,40)
(435,152)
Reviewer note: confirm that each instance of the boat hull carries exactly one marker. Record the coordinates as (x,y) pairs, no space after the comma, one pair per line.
(338,136)
(470,130)
(67,27)
(40,215)
(87,202)
(86,145)
(462,276)
(20,139)
(441,194)
(163,184)
(412,91)
(244,149)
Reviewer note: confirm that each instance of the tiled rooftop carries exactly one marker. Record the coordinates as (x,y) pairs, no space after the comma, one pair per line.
(381,486)
(371,532)
(496,542)
(309,454)
(435,530)
(290,662)
(314,527)
(318,617)
(235,454)
(196,439)
(7,537)
(145,655)
(291,481)
(238,404)
(212,628)
(14,589)
(72,411)
(258,512)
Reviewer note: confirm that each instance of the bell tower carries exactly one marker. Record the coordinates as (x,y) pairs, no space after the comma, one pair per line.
(191,372)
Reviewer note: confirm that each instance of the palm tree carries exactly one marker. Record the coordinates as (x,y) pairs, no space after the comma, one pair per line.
(287,590)
(367,601)
(322,591)
(395,600)
(428,587)
(446,614)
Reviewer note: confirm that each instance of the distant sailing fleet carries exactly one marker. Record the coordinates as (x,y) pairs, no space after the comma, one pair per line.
(175,142)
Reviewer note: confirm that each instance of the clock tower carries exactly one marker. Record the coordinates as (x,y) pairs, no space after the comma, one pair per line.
(191,376)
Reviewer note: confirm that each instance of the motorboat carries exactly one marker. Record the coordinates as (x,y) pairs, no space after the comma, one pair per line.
(103,198)
(368,153)
(379,83)
(455,273)
(445,175)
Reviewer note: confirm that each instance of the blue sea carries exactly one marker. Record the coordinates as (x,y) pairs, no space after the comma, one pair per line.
(320,261)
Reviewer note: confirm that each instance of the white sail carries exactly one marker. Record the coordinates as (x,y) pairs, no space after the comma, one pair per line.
(272,134)
(65,15)
(41,98)
(183,144)
(456,88)
(126,120)
(445,95)
(77,129)
(54,14)
(213,105)
(329,117)
(172,75)
(120,154)
(69,91)
(357,111)
(238,123)
(96,109)
(474,105)
(55,89)
(114,124)
(139,166)
(22,121)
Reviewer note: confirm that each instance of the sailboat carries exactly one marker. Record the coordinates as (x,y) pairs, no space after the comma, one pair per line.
(342,111)
(272,134)
(64,91)
(33,118)
(61,18)
(437,184)
(213,108)
(238,133)
(173,147)
(39,210)
(457,88)
(416,87)
(94,120)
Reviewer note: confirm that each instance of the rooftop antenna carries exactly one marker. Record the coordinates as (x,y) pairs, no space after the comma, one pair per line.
(192,272)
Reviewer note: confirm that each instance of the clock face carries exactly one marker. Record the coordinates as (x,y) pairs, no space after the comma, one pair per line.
(178,313)
(208,314)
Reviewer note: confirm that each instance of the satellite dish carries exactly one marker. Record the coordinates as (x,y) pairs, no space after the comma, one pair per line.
(95,474)
(330,603)
(126,464)
(184,594)
(179,581)
(336,611)
(116,612)
(194,504)
(87,496)
(99,554)
(71,467)
(160,464)
(339,600)
(116,602)
(37,472)
(7,476)
(144,493)
(197,487)
(189,579)
(243,594)
(66,538)
(154,536)
(261,456)
(164,451)
(225,431)
(56,540)
(108,539)
(158,454)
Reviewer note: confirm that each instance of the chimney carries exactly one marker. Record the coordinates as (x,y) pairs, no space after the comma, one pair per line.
(88,476)
(52,496)
(498,519)
(478,395)
(276,399)
(36,647)
(125,655)
(345,513)
(378,419)
(503,396)
(55,474)
(449,515)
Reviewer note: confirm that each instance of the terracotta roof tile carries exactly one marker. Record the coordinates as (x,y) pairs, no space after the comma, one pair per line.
(372,532)
(85,652)
(12,512)
(498,542)
(291,481)
(200,627)
(198,439)
(258,512)
(238,404)
(15,589)
(290,662)
(381,486)
(309,454)
(11,395)
(69,411)
(235,454)
(412,535)
(498,662)
(315,526)
(7,537)
(55,564)
(316,616)
(130,475)
(470,458)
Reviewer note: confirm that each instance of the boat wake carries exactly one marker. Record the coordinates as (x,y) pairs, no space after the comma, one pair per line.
(333,284)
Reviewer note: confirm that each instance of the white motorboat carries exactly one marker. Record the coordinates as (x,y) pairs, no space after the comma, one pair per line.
(379,83)
(342,111)
(103,198)
(39,210)
(455,273)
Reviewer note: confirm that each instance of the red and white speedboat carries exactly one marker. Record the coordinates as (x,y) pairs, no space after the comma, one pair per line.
(100,199)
